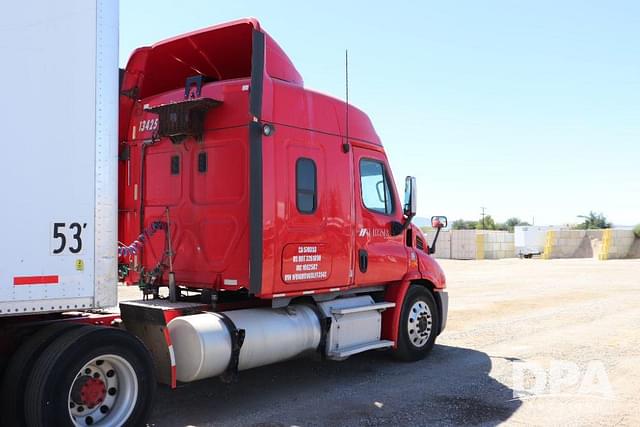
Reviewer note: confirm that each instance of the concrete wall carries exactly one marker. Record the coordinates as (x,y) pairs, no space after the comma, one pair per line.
(600,244)
(486,244)
(443,246)
(616,244)
(572,244)
(496,244)
(634,252)
(472,244)
(463,244)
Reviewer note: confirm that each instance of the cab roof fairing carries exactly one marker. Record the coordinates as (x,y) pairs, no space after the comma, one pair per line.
(221,52)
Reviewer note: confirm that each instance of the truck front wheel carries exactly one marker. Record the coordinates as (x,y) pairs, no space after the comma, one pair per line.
(419,321)
(91,376)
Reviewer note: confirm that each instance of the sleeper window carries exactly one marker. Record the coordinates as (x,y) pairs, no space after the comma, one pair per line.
(175,165)
(306,185)
(376,195)
(202,161)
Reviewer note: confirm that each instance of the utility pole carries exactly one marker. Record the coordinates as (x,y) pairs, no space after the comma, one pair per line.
(483,208)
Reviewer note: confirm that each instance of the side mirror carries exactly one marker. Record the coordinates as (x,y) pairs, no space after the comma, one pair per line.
(410,199)
(439,222)
(408,208)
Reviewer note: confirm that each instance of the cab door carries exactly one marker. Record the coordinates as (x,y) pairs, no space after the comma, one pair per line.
(380,257)
(313,219)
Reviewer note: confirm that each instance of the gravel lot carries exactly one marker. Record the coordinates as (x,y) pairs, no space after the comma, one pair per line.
(581,313)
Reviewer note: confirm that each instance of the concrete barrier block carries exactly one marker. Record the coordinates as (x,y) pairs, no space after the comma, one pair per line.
(594,234)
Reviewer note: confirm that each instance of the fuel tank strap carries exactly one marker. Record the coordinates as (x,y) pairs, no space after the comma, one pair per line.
(237,339)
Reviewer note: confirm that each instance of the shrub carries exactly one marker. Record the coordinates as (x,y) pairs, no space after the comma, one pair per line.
(593,221)
(636,231)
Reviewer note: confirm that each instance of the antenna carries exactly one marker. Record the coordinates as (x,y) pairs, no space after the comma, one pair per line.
(345,145)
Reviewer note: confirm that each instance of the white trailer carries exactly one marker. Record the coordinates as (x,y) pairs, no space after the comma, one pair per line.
(59,190)
(529,239)
(59,122)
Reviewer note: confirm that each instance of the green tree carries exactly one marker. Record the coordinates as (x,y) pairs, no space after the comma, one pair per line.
(487,223)
(593,221)
(509,224)
(461,224)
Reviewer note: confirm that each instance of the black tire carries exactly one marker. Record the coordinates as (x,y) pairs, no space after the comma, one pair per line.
(48,391)
(20,365)
(418,302)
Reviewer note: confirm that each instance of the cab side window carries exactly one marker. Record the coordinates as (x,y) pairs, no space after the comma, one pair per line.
(306,186)
(374,184)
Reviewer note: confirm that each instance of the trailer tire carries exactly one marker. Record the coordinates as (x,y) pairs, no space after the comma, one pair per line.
(91,375)
(418,327)
(20,366)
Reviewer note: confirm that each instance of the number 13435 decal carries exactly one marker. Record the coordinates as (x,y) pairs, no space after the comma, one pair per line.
(67,237)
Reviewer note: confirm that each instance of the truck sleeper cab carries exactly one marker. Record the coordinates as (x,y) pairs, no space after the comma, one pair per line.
(258,222)
(276,213)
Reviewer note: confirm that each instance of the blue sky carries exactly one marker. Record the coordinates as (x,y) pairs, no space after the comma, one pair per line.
(529,108)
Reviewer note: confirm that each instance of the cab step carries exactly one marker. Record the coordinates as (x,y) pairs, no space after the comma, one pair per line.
(355,325)
(381,306)
(359,348)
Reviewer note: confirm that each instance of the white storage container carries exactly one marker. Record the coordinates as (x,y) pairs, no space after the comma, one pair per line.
(530,239)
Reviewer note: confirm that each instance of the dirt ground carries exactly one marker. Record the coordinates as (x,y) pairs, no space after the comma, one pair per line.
(582,315)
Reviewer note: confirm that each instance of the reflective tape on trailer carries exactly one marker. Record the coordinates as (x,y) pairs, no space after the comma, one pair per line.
(35,280)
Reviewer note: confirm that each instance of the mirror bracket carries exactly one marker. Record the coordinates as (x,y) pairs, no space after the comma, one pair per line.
(432,247)
(397,227)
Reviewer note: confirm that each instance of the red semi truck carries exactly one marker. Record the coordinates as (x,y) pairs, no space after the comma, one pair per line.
(259,218)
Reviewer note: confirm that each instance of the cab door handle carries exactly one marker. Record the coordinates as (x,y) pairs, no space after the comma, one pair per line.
(363,258)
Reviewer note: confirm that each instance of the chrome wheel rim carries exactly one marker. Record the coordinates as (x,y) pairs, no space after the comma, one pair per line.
(104,392)
(419,324)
